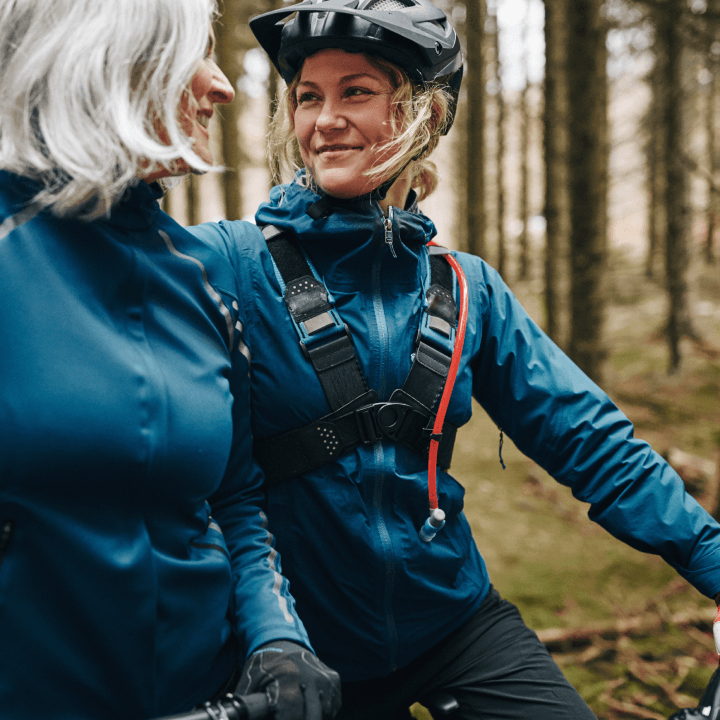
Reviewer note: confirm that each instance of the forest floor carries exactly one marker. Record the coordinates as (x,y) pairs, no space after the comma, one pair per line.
(631,635)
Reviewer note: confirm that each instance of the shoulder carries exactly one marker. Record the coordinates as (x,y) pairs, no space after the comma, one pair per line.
(233,238)
(484,282)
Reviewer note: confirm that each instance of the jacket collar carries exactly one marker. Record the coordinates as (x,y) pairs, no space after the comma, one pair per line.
(345,243)
(138,209)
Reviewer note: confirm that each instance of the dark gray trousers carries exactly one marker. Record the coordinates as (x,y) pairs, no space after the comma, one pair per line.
(494,666)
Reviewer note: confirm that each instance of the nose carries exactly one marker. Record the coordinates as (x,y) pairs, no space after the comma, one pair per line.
(221,91)
(330,118)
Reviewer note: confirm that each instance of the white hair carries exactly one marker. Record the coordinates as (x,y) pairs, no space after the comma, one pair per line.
(84,87)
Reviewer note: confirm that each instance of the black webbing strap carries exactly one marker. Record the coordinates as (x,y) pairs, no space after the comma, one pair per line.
(332,356)
(357,417)
(426,379)
(362,422)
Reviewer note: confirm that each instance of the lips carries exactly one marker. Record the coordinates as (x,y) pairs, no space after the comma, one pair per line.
(323,149)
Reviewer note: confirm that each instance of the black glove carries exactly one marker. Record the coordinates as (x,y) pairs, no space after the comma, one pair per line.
(297,684)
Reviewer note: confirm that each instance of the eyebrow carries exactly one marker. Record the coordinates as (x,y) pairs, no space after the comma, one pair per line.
(344,79)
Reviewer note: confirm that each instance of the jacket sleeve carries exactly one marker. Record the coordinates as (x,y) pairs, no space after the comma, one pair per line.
(563,421)
(263,607)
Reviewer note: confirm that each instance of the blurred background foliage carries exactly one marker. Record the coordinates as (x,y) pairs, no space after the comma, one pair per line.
(584,165)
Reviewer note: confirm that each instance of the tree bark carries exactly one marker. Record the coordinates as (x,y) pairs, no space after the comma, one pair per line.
(475,84)
(499,151)
(711,151)
(588,177)
(557,201)
(654,161)
(192,198)
(226,44)
(669,19)
(524,210)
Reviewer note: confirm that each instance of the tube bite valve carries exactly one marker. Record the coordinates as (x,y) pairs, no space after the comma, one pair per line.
(432,525)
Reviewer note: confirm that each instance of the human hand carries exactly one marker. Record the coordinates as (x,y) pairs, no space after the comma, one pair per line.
(297,684)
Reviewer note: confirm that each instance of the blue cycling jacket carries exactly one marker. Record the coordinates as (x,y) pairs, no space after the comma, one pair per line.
(124,408)
(371,594)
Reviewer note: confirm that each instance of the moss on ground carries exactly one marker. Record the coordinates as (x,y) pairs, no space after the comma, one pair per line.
(562,570)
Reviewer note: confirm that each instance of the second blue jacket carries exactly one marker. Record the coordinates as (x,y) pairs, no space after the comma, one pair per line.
(371,594)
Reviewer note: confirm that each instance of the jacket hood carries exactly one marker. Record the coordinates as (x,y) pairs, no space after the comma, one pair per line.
(344,242)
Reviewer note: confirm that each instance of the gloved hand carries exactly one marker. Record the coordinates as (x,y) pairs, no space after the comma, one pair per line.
(716,625)
(298,685)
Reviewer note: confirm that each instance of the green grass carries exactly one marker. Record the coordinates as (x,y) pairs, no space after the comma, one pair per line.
(562,570)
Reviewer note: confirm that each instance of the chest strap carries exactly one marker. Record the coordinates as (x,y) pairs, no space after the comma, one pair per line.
(357,416)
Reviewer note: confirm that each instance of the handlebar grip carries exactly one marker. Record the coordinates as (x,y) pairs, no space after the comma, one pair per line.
(233,707)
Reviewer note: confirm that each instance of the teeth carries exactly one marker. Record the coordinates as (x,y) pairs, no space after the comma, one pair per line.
(203,120)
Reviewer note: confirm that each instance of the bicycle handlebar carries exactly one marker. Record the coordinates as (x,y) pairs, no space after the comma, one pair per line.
(232,707)
(709,706)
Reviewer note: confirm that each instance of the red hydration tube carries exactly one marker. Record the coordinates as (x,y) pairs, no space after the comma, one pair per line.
(450,382)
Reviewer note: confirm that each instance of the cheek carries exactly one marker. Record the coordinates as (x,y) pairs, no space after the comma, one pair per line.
(304,127)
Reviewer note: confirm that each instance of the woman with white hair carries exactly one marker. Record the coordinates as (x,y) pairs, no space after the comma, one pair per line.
(360,379)
(124,387)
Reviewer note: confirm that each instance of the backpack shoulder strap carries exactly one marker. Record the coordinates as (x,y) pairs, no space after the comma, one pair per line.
(357,417)
(324,338)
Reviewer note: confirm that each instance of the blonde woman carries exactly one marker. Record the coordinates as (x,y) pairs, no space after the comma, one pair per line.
(354,325)
(123,386)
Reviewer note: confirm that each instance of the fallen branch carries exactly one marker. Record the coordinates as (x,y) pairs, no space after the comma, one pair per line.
(626,707)
(557,638)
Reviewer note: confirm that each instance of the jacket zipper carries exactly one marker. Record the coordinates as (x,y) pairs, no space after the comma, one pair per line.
(5,536)
(379,484)
(388,225)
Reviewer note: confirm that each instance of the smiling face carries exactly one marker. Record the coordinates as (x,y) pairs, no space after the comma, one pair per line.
(341,120)
(208,87)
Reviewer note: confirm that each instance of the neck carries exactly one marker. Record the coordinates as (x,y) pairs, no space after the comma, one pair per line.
(398,193)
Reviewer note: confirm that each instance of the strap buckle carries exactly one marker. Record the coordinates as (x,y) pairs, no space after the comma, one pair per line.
(366,422)
(338,328)
(395,420)
(437,332)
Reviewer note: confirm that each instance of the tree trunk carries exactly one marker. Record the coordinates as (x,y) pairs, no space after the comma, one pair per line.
(226,45)
(273,97)
(654,161)
(677,203)
(557,202)
(475,84)
(499,151)
(192,198)
(588,176)
(711,152)
(524,211)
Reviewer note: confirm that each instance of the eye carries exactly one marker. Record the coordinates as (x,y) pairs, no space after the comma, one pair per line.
(306,97)
(358,92)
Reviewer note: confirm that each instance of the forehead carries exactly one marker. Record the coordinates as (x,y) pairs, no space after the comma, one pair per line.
(334,65)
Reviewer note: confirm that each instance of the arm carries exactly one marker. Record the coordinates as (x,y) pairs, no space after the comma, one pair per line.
(559,418)
(264,608)
(278,656)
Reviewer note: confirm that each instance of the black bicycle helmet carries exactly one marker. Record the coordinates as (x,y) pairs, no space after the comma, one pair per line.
(412,34)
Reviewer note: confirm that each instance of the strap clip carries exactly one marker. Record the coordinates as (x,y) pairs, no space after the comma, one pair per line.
(366,422)
(394,420)
(335,331)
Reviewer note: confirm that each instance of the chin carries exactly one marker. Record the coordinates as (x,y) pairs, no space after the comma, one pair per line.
(342,190)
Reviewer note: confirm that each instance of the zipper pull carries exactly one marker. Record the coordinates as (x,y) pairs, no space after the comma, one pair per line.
(388,221)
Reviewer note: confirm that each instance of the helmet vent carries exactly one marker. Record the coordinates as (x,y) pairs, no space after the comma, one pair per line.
(389,5)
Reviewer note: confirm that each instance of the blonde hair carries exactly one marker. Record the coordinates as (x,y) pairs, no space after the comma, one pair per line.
(420,114)
(85,84)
